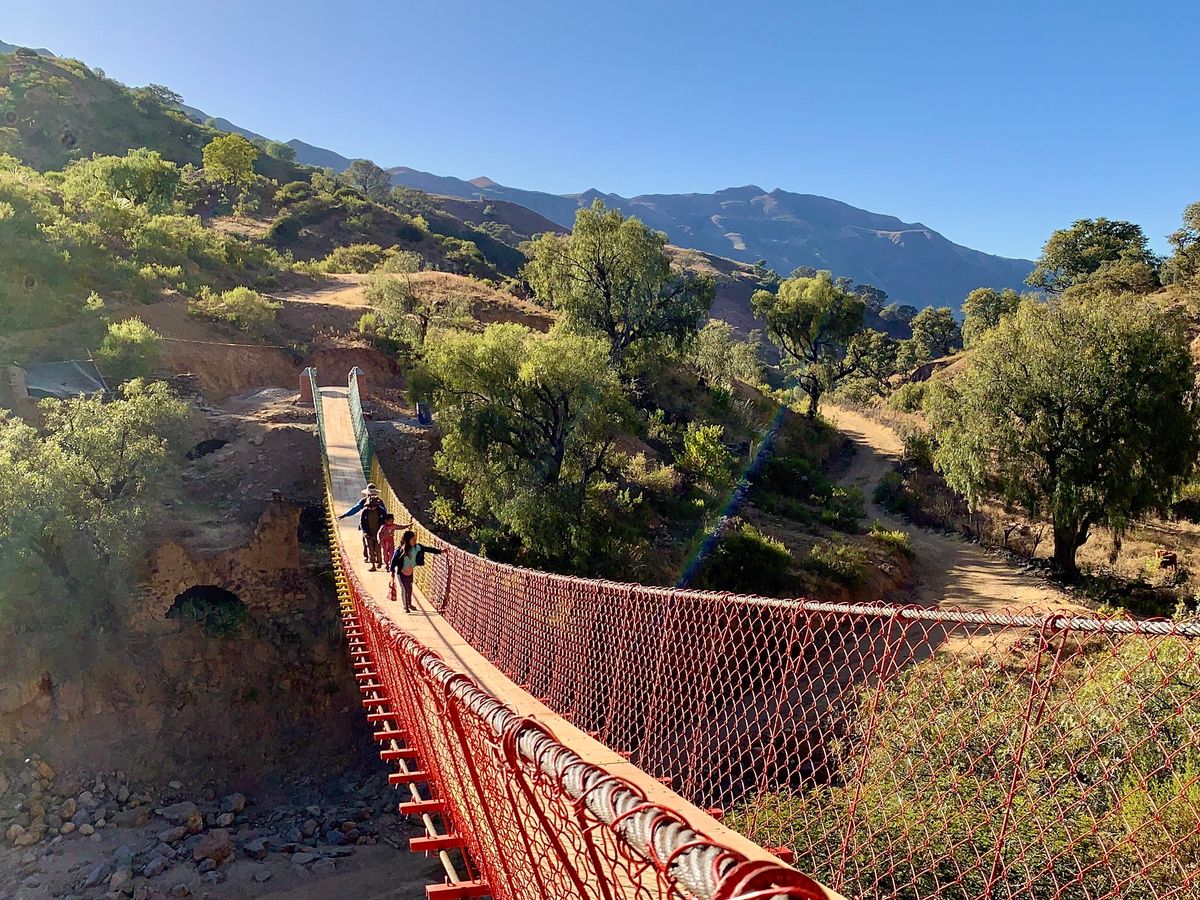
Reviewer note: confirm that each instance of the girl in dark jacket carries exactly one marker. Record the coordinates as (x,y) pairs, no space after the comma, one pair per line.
(404,562)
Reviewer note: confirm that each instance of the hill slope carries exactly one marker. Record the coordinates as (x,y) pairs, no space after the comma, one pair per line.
(911,261)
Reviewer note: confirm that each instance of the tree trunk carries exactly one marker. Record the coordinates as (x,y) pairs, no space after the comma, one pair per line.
(1068,538)
(814,397)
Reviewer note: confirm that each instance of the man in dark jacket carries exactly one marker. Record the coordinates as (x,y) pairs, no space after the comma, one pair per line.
(370,520)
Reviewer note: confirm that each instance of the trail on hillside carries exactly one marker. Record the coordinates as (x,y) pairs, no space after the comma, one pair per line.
(947,570)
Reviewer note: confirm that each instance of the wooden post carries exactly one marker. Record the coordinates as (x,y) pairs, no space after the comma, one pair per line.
(306,381)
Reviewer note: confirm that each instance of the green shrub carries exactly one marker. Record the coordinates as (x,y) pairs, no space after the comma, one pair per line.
(1105,800)
(844,509)
(246,309)
(704,458)
(897,540)
(746,561)
(650,476)
(358,258)
(131,349)
(892,493)
(400,262)
(909,398)
(294,192)
(918,448)
(844,563)
(286,230)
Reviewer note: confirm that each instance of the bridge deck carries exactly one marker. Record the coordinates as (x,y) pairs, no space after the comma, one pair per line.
(428,627)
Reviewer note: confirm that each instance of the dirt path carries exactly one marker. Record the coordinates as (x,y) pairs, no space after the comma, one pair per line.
(948,571)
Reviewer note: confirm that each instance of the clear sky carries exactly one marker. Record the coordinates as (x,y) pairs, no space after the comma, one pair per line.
(992,121)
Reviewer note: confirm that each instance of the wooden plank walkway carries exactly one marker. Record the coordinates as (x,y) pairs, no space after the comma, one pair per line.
(428,627)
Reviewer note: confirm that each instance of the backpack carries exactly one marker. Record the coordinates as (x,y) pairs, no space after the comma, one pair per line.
(420,561)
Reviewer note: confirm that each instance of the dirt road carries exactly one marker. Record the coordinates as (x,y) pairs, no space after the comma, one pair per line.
(948,571)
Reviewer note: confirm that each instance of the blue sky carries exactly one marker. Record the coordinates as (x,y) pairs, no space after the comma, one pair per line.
(992,122)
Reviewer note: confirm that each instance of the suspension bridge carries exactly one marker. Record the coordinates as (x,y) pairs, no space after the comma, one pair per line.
(561,737)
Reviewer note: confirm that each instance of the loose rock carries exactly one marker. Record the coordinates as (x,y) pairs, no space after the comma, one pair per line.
(216,845)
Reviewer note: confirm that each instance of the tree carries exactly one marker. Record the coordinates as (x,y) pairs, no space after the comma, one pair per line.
(935,333)
(721,359)
(983,309)
(1184,264)
(529,425)
(1080,409)
(130,350)
(80,496)
(811,321)
(374,182)
(157,95)
(896,312)
(1072,254)
(612,275)
(279,151)
(872,357)
(409,313)
(229,159)
(140,178)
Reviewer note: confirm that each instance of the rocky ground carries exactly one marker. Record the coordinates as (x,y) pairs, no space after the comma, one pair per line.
(107,837)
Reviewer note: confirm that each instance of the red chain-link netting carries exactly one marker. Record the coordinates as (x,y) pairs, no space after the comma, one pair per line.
(907,753)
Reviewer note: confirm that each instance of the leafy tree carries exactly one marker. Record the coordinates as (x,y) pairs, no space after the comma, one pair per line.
(157,96)
(141,178)
(936,333)
(408,313)
(1184,264)
(1080,409)
(246,309)
(1072,254)
(357,258)
(79,497)
(747,561)
(812,321)
(872,357)
(529,425)
(130,350)
(229,159)
(279,151)
(612,275)
(896,312)
(373,181)
(983,309)
(721,359)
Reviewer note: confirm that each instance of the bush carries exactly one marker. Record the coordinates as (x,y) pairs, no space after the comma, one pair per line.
(892,494)
(1188,505)
(286,230)
(1106,801)
(130,350)
(897,540)
(294,192)
(844,563)
(909,398)
(400,262)
(357,258)
(918,448)
(652,477)
(704,458)
(844,509)
(746,561)
(246,309)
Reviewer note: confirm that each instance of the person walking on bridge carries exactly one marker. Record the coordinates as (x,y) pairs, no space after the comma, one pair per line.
(370,520)
(404,562)
(387,546)
(369,493)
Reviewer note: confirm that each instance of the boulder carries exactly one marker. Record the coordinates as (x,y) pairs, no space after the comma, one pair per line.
(68,808)
(173,835)
(216,845)
(255,848)
(121,879)
(134,817)
(304,859)
(234,803)
(156,866)
(179,813)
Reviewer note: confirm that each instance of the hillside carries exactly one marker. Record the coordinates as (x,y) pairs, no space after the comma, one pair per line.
(910,261)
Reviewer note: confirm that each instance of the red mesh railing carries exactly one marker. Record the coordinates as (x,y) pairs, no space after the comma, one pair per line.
(900,752)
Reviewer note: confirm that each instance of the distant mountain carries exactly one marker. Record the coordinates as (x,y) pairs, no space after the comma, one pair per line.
(40,51)
(219,123)
(308,155)
(910,261)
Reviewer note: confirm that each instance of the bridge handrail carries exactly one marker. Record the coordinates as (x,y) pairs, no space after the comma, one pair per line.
(685,861)
(899,750)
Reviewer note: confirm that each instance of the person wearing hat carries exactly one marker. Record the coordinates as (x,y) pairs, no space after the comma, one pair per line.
(371,512)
